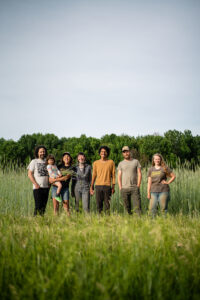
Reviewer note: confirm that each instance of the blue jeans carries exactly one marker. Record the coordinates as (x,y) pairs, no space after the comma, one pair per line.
(64,192)
(158,198)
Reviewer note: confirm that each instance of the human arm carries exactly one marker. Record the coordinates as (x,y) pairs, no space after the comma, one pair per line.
(119,178)
(172,177)
(32,179)
(63,178)
(94,175)
(139,177)
(149,188)
(113,178)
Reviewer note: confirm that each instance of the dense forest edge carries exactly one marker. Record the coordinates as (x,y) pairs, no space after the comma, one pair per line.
(177,147)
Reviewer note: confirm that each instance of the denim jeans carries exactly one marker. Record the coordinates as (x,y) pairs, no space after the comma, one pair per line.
(83,194)
(64,192)
(158,198)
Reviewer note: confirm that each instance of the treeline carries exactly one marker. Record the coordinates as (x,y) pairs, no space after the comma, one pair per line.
(174,145)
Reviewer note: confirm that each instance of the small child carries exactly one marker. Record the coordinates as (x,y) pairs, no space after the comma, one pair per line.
(54,173)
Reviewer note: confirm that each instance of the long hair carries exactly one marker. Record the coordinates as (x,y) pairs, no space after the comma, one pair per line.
(162,162)
(37,150)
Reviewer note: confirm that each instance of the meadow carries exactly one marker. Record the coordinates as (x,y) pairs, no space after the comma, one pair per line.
(99,257)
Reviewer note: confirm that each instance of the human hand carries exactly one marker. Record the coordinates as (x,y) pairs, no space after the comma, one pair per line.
(91,191)
(164,182)
(36,186)
(149,196)
(113,190)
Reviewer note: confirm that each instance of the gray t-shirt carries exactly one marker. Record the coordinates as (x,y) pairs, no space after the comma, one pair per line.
(157,175)
(39,169)
(129,172)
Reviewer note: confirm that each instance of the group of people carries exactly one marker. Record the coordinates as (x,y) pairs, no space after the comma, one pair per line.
(98,179)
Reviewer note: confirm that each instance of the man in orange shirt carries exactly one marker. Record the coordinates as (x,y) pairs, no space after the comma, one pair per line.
(104,178)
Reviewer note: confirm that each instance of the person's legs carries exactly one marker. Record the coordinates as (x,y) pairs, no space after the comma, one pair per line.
(163,202)
(77,198)
(99,198)
(59,187)
(126,196)
(65,198)
(153,203)
(41,198)
(136,200)
(86,201)
(55,202)
(107,196)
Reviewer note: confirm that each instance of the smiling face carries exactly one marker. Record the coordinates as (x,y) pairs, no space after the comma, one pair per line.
(81,159)
(66,160)
(41,153)
(103,153)
(157,160)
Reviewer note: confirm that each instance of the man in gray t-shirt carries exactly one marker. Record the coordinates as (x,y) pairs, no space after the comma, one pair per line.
(129,180)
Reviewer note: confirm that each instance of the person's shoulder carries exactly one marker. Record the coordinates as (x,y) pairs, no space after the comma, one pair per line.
(88,166)
(60,166)
(150,169)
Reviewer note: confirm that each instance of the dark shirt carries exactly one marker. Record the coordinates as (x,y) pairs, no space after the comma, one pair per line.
(65,184)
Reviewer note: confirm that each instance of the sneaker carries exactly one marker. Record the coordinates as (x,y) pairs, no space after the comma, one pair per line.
(58,199)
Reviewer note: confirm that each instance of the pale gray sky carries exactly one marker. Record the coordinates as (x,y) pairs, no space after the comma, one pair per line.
(97,67)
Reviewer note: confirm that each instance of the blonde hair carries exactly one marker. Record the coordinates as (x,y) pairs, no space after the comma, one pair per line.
(162,162)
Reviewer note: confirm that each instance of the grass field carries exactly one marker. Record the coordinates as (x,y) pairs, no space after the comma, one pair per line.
(93,257)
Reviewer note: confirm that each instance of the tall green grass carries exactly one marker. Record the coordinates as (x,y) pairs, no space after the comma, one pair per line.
(16,193)
(92,257)
(99,257)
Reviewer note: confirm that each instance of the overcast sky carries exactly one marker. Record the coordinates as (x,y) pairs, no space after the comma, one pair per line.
(99,67)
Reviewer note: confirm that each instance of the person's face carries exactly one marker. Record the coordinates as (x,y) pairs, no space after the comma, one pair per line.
(157,160)
(41,153)
(81,159)
(126,154)
(50,161)
(103,153)
(66,159)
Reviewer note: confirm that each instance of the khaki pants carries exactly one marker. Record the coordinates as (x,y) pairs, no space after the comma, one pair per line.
(131,197)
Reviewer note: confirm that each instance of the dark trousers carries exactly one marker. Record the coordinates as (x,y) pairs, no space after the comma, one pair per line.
(103,194)
(132,195)
(41,198)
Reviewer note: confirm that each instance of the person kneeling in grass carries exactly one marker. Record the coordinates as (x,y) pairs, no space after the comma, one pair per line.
(54,173)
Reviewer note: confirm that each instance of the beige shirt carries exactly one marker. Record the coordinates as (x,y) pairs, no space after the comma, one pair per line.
(129,172)
(104,172)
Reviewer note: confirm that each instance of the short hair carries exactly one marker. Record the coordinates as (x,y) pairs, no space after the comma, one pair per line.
(105,148)
(37,150)
(50,156)
(81,153)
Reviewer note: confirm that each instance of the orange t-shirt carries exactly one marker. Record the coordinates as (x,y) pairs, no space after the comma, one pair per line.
(104,172)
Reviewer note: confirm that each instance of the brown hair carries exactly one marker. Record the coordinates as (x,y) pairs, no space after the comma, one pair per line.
(50,156)
(162,162)
(37,150)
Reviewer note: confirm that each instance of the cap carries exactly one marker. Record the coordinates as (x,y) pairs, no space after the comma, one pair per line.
(125,148)
(67,154)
